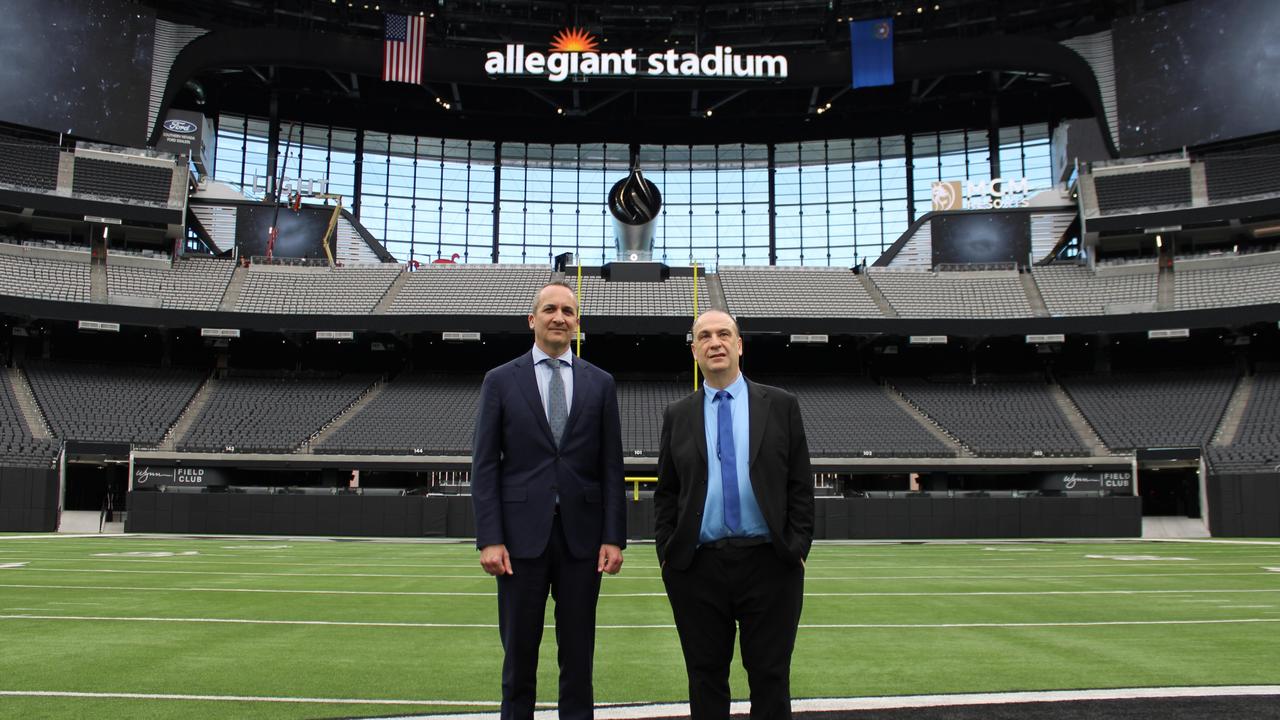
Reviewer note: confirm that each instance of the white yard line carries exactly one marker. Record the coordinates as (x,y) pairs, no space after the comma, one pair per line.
(416,593)
(656,626)
(249,698)
(653,711)
(178,558)
(815,566)
(651,578)
(491,593)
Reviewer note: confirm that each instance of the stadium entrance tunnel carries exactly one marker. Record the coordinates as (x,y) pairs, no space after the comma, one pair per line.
(97,484)
(1171,482)
(1170,491)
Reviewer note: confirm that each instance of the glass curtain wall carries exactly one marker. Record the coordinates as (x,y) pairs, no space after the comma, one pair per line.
(839,202)
(428,198)
(836,202)
(552,200)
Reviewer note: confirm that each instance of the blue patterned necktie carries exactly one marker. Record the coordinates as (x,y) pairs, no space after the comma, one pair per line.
(728,462)
(557,408)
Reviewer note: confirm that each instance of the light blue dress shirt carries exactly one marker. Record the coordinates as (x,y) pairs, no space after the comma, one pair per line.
(543,373)
(753,524)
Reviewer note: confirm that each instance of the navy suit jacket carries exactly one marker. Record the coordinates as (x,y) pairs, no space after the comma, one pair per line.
(517,472)
(778,463)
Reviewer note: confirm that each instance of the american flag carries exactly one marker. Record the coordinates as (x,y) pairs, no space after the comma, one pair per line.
(402,48)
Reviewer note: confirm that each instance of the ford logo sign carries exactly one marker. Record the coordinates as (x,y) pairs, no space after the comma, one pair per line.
(180,126)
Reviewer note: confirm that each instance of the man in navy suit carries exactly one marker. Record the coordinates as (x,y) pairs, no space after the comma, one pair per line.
(549,496)
(733,525)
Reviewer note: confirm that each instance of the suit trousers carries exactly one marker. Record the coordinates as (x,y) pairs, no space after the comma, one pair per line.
(731,588)
(574,584)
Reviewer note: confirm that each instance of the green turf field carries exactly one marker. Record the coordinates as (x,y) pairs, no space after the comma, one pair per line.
(259,619)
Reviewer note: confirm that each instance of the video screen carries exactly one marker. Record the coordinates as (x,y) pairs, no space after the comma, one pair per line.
(1197,72)
(300,232)
(80,67)
(982,237)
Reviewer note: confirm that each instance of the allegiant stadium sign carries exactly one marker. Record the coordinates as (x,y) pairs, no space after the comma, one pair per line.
(573,53)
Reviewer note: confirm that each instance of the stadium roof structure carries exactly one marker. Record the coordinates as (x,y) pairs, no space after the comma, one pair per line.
(957,62)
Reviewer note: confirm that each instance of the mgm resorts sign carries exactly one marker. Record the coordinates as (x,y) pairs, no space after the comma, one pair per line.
(981,195)
(575,53)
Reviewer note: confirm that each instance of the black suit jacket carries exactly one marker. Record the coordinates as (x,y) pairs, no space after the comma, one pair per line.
(778,463)
(517,472)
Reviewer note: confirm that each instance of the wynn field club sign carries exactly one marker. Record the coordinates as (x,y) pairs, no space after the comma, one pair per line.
(574,53)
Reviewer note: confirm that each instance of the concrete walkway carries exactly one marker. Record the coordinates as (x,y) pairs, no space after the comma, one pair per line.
(1174,527)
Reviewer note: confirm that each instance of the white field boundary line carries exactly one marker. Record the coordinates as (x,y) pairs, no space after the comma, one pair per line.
(415,593)
(60,536)
(646,578)
(490,626)
(681,710)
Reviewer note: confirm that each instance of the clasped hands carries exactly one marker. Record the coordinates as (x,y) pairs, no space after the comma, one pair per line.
(496,561)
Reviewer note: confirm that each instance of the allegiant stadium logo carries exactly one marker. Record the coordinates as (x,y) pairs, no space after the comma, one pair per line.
(574,53)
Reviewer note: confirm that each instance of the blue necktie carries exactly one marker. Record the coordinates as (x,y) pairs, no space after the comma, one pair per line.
(728,462)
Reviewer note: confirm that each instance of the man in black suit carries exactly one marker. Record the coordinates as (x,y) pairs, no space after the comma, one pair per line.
(547,485)
(734,522)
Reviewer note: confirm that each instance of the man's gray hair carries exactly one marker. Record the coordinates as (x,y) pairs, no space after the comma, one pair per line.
(533,307)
